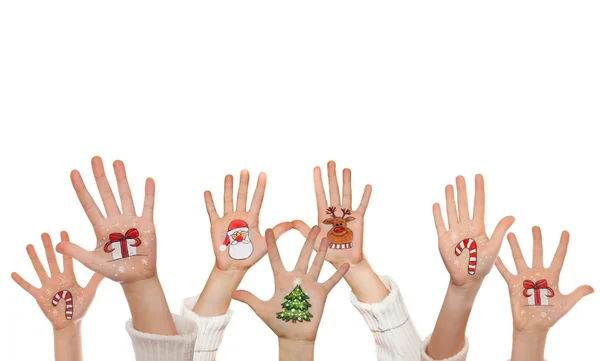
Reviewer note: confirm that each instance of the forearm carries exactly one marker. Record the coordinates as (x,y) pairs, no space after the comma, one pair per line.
(528,345)
(448,337)
(149,309)
(296,350)
(365,283)
(216,295)
(67,343)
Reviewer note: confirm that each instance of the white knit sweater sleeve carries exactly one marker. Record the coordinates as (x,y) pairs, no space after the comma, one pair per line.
(151,347)
(396,337)
(210,330)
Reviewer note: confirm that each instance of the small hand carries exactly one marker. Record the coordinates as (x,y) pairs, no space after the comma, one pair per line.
(125,243)
(340,224)
(61,298)
(544,304)
(237,241)
(295,310)
(465,248)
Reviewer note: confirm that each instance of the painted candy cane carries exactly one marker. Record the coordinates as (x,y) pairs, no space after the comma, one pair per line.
(66,295)
(470,244)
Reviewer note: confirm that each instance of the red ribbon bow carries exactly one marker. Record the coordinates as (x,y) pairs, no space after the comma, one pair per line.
(131,233)
(536,287)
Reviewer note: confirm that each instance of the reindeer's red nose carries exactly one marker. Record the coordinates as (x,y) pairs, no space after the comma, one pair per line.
(339,229)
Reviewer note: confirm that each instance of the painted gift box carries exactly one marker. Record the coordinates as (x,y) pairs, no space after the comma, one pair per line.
(537,293)
(123,245)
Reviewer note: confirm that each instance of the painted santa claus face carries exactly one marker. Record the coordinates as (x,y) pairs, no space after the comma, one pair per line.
(240,236)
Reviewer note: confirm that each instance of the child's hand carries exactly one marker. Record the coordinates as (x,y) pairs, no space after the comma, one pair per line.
(341,225)
(61,298)
(125,243)
(295,310)
(536,301)
(237,241)
(465,248)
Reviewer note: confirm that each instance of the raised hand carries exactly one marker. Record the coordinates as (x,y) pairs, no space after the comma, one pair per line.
(125,243)
(237,241)
(341,225)
(536,300)
(465,248)
(295,310)
(62,300)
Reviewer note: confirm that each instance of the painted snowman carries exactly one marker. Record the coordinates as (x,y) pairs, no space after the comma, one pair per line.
(238,240)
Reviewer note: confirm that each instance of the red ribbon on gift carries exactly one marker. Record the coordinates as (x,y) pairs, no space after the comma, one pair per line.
(536,287)
(131,233)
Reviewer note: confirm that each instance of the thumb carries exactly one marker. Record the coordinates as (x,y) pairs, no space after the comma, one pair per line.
(501,230)
(281,228)
(251,300)
(577,295)
(94,282)
(301,227)
(73,250)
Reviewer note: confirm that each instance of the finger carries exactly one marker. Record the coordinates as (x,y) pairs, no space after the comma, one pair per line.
(516,252)
(259,193)
(307,249)
(281,228)
(501,229)
(575,296)
(319,189)
(274,257)
(561,252)
(506,274)
(148,212)
(334,189)
(94,282)
(251,300)
(317,265)
(439,220)
(87,202)
(228,194)
(84,257)
(124,190)
(37,265)
(213,216)
(301,227)
(21,282)
(347,188)
(451,206)
(364,202)
(463,200)
(337,276)
(67,260)
(479,203)
(50,255)
(106,193)
(242,195)
(538,248)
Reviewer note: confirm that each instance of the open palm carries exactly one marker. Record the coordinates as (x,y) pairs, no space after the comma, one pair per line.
(536,300)
(125,248)
(63,301)
(465,248)
(237,241)
(347,243)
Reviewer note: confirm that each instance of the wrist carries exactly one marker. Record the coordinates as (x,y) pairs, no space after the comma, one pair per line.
(216,295)
(292,350)
(69,332)
(529,345)
(365,283)
(463,296)
(141,287)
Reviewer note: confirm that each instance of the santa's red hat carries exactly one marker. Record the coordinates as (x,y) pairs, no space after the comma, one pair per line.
(237,225)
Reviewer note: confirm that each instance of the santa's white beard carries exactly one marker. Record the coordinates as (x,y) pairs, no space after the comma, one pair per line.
(242,249)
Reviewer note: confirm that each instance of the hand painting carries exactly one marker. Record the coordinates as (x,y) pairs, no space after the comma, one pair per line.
(125,243)
(536,301)
(295,310)
(61,298)
(465,248)
(236,238)
(342,226)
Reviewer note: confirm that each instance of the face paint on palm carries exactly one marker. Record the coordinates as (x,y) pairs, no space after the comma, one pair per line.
(295,307)
(65,295)
(123,245)
(238,240)
(339,236)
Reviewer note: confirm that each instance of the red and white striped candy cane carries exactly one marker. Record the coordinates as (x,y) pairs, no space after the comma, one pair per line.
(66,295)
(470,244)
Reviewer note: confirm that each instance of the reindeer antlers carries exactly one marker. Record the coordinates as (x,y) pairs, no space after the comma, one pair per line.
(346,212)
(331,211)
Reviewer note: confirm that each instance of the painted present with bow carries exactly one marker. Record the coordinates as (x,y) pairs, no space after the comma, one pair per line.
(537,293)
(123,245)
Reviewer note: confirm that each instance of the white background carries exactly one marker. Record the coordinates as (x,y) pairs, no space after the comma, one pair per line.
(408,95)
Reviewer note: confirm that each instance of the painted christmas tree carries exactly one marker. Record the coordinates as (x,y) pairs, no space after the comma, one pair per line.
(295,307)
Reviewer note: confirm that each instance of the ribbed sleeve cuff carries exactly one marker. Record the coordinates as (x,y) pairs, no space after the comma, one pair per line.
(210,330)
(460,356)
(151,347)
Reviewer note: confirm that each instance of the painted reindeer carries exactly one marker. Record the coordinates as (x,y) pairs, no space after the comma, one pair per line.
(340,236)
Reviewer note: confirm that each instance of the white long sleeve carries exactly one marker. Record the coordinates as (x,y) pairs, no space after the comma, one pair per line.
(395,335)
(151,347)
(210,330)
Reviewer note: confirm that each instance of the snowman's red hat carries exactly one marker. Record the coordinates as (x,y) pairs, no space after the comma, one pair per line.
(237,225)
